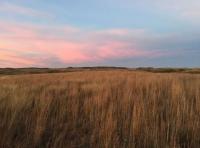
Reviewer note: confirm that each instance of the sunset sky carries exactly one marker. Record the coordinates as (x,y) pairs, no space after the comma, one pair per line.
(131,33)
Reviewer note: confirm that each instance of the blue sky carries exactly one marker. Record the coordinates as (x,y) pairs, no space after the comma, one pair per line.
(108,32)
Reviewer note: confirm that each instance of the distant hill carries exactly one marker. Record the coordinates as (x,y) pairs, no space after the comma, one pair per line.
(35,70)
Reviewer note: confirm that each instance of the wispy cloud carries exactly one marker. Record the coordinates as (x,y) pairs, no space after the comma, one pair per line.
(14,9)
(188,10)
(37,45)
(15,59)
(69,45)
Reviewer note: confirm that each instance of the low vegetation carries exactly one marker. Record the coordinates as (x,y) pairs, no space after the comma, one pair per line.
(17,71)
(100,109)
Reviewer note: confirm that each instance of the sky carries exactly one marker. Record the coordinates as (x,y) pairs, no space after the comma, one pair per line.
(129,33)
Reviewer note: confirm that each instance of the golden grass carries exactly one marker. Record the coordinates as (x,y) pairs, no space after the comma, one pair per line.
(100,109)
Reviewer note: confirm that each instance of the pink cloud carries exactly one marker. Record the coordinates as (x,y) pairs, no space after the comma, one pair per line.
(117,50)
(11,59)
(30,45)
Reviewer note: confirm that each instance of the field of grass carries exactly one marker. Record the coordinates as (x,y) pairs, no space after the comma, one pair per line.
(100,109)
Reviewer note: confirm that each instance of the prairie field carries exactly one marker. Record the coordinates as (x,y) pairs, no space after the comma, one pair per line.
(100,109)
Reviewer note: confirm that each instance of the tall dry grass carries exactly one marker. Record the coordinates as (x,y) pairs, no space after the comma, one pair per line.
(100,110)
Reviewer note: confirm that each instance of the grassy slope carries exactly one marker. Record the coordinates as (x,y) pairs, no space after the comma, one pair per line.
(100,109)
